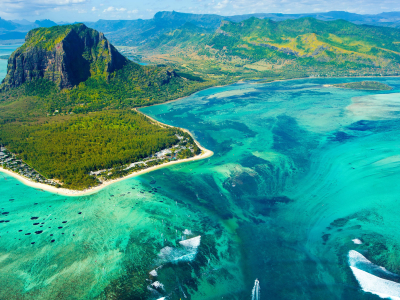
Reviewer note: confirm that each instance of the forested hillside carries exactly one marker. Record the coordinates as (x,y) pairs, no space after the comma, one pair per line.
(69,149)
(257,48)
(139,32)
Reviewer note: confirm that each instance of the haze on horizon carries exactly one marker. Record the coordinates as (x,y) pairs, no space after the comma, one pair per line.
(93,10)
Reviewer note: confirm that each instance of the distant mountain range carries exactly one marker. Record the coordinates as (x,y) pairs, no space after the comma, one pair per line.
(263,48)
(138,32)
(17,29)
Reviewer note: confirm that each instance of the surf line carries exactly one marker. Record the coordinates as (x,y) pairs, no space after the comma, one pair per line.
(367,273)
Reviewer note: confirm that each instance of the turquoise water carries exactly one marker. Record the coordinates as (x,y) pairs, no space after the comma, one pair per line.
(300,170)
(5,50)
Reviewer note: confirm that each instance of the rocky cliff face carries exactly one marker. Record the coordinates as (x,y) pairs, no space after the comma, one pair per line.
(66,55)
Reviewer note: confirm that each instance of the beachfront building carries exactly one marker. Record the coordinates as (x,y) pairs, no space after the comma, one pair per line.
(10,162)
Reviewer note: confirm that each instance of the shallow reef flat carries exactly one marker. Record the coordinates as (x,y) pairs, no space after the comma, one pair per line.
(298,180)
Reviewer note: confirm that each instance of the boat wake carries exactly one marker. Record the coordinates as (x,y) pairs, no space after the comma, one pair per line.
(255,294)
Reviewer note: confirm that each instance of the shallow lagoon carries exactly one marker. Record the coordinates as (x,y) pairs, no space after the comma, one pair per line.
(299,171)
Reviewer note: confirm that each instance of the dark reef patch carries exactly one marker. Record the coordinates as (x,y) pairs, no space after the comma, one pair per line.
(250,161)
(340,136)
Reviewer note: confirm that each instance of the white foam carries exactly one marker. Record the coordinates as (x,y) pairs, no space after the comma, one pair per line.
(378,286)
(187,253)
(356,257)
(191,243)
(357,241)
(157,284)
(168,254)
(371,283)
(356,260)
(187,232)
(153,273)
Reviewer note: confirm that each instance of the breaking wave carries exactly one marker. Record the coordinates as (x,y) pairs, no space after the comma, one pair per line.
(186,253)
(369,276)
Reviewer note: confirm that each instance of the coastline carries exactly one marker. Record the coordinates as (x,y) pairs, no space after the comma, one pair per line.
(66,192)
(205,153)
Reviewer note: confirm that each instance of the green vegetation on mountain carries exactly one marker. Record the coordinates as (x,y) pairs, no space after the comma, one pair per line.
(364,85)
(133,86)
(140,31)
(188,34)
(257,48)
(70,112)
(135,33)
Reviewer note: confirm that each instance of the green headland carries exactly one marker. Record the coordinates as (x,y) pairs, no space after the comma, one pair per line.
(70,114)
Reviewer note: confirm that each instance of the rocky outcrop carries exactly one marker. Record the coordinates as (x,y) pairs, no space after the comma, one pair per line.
(66,55)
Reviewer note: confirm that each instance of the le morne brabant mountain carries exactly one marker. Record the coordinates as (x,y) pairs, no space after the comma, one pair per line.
(66,56)
(66,107)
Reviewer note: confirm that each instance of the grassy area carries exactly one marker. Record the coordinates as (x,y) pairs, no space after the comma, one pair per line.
(132,86)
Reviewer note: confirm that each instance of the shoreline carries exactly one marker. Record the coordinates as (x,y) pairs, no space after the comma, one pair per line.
(66,192)
(205,152)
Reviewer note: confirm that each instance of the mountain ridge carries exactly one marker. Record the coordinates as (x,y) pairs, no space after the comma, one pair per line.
(140,31)
(263,48)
